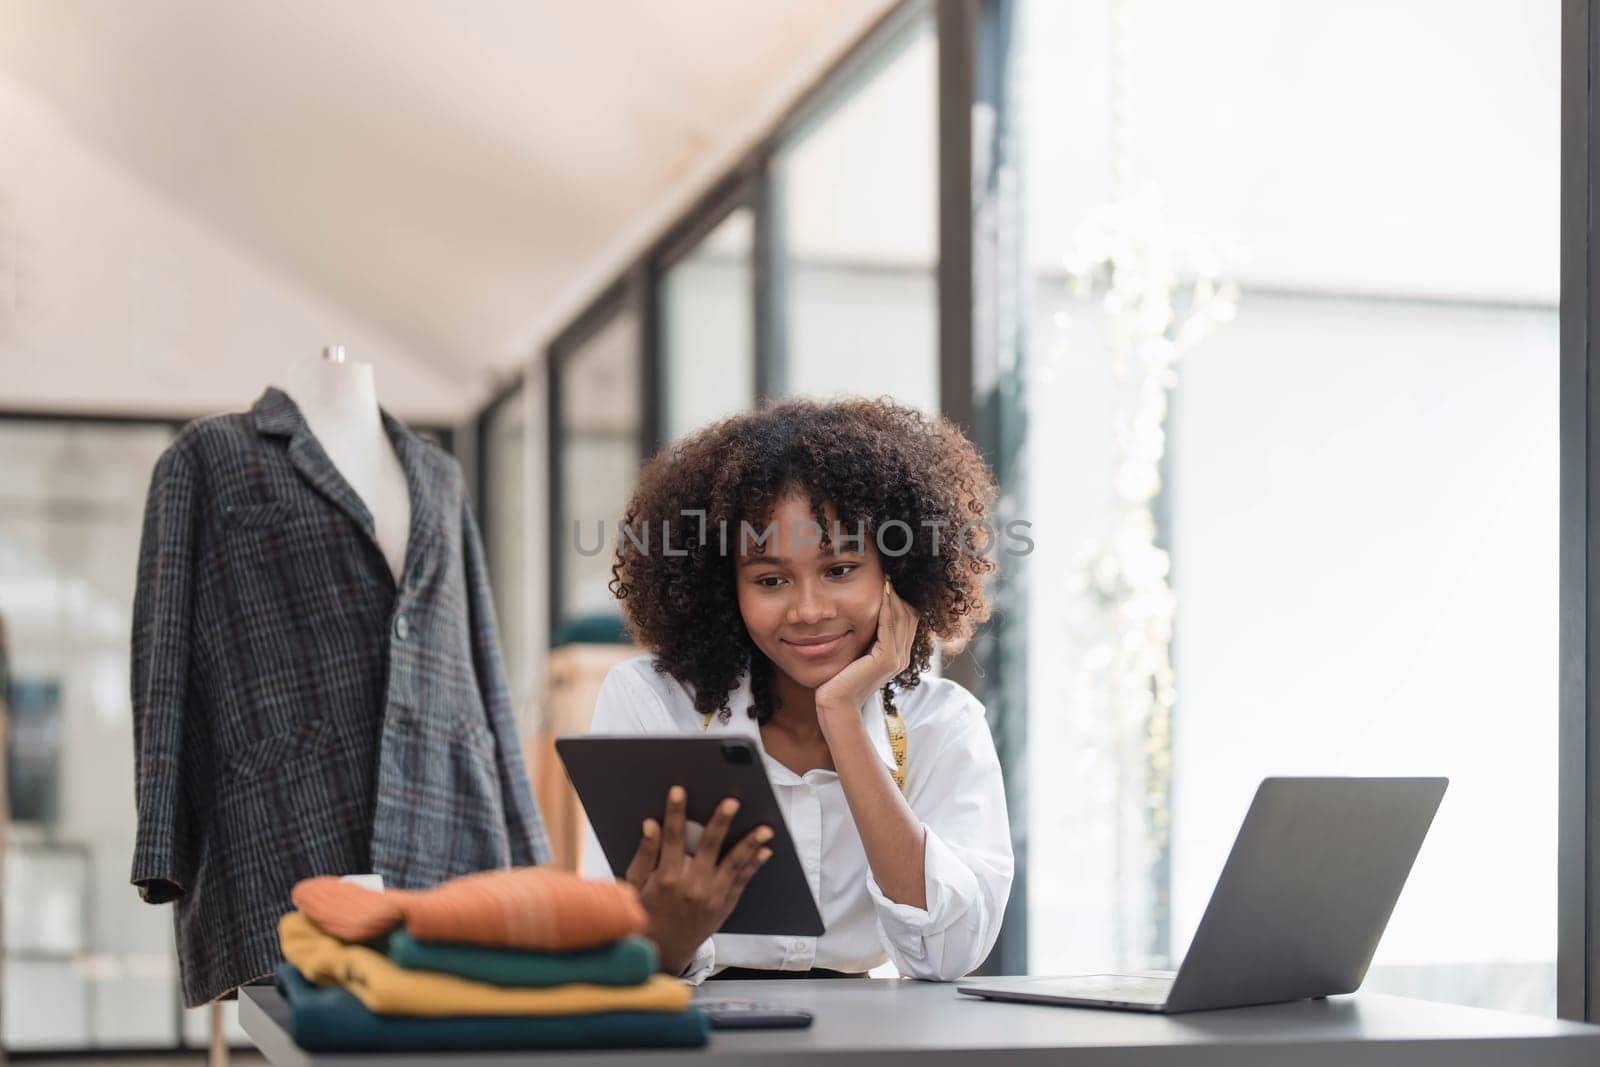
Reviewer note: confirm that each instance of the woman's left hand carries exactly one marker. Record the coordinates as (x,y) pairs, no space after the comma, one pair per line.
(890,654)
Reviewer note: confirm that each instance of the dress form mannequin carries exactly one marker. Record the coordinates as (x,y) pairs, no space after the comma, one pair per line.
(340,404)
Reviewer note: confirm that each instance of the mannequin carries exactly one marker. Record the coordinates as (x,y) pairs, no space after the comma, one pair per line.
(340,404)
(298,709)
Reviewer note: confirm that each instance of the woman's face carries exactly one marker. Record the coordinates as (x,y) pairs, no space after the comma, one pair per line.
(811,611)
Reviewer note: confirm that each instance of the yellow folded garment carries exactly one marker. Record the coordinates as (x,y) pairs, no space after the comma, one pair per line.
(388,990)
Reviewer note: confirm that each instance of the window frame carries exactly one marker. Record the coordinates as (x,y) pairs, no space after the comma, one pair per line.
(1578,787)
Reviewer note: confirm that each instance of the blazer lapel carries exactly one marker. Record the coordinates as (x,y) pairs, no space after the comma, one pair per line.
(423,485)
(277,414)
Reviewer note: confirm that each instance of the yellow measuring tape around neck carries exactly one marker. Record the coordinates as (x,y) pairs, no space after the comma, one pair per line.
(896,726)
(893,725)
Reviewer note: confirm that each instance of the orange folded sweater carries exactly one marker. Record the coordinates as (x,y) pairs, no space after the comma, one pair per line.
(539,909)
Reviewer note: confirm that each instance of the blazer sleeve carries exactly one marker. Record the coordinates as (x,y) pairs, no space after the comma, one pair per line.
(529,845)
(160,679)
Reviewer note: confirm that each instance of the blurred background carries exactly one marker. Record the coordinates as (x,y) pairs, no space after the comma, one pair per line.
(1252,306)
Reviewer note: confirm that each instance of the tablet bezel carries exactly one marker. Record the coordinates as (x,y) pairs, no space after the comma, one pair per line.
(622,780)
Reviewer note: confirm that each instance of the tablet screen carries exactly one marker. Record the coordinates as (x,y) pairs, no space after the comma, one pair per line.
(624,780)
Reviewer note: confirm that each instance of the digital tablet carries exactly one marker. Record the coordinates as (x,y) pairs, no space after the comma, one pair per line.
(622,781)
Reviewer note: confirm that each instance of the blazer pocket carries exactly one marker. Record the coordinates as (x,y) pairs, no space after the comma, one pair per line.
(475,732)
(278,750)
(259,516)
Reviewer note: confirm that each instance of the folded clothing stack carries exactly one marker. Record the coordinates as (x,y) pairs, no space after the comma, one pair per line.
(527,958)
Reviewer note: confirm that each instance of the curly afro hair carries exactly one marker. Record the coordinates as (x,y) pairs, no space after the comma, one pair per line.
(873,461)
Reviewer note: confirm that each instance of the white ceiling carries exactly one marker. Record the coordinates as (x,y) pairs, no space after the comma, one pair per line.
(454,177)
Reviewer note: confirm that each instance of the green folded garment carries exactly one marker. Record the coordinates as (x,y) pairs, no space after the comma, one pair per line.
(331,1019)
(628,962)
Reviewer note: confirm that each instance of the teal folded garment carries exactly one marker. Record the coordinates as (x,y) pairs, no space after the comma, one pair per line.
(626,963)
(331,1019)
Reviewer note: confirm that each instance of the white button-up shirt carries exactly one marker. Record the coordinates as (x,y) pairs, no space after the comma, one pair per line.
(953,785)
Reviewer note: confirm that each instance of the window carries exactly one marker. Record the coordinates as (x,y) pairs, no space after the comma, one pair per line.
(598,392)
(1302,519)
(708,328)
(88,964)
(858,201)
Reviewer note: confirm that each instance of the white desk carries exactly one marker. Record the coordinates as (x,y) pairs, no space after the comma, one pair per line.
(889,1023)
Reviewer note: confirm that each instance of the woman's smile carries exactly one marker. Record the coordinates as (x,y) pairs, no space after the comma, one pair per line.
(820,646)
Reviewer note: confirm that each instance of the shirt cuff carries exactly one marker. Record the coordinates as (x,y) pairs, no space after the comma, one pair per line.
(704,962)
(951,891)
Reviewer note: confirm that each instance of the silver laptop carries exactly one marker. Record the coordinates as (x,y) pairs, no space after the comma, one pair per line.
(1303,899)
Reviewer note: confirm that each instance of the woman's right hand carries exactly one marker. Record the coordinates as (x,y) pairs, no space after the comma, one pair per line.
(689,897)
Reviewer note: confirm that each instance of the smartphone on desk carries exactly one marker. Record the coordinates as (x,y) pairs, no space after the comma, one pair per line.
(752,1015)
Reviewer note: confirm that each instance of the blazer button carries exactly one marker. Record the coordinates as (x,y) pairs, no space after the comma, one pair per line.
(402,628)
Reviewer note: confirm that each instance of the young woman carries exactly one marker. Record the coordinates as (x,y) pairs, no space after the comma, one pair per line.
(789,571)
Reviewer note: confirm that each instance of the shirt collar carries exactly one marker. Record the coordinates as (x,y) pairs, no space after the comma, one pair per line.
(740,722)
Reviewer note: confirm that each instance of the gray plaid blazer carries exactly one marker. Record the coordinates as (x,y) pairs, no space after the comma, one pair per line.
(295,713)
